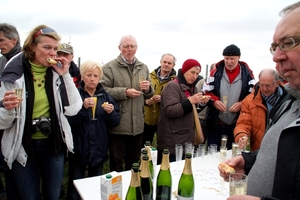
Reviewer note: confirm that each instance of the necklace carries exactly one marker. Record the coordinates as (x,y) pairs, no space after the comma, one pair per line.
(38,79)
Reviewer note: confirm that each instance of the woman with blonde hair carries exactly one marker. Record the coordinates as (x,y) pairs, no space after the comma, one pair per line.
(34,143)
(99,113)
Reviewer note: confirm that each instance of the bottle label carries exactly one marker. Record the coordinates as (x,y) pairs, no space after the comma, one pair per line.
(184,198)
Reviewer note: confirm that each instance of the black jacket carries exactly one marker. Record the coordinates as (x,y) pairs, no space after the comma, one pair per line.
(90,136)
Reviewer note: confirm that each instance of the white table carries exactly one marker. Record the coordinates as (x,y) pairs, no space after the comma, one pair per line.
(205,171)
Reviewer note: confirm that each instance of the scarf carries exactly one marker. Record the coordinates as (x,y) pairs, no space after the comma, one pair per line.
(17,49)
(272,99)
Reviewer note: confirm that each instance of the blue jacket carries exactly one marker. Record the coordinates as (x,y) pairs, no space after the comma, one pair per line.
(90,136)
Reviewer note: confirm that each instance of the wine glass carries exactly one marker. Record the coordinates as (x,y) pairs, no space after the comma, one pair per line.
(19,93)
(225,101)
(178,153)
(94,108)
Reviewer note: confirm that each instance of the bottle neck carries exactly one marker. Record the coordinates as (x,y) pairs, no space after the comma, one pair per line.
(165,163)
(135,179)
(187,167)
(145,171)
(149,152)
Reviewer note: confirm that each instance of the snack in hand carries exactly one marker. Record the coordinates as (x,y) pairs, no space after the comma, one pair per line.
(54,62)
(228,169)
(105,103)
(207,97)
(51,61)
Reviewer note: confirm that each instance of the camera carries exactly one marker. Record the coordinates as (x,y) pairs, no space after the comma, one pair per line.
(42,124)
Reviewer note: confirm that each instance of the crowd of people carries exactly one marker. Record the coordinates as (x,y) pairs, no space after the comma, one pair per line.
(90,114)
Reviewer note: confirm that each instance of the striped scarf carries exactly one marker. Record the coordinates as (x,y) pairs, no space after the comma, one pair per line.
(272,99)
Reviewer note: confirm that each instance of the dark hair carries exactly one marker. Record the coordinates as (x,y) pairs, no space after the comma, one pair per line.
(9,31)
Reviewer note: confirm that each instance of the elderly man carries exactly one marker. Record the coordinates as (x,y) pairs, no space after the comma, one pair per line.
(228,84)
(66,50)
(9,46)
(274,169)
(159,78)
(127,80)
(256,108)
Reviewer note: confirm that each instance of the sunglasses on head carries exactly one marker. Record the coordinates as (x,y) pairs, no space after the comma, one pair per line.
(43,31)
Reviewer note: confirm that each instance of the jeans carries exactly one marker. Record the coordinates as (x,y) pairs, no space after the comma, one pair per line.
(45,167)
(77,171)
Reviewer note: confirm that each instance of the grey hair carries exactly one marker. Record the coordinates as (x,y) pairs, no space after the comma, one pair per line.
(168,54)
(9,31)
(127,36)
(271,72)
(289,8)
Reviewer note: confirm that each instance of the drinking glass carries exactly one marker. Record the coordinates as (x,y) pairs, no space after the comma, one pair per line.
(223,154)
(141,78)
(225,101)
(94,108)
(237,184)
(224,140)
(189,147)
(178,153)
(19,93)
(235,149)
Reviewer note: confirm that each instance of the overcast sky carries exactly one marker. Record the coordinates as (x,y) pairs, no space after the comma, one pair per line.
(198,29)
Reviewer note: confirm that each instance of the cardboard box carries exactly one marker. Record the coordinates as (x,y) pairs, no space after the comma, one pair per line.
(111,186)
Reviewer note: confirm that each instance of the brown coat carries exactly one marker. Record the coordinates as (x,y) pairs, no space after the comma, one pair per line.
(176,122)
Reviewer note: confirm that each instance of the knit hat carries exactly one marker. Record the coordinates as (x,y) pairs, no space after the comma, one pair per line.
(231,50)
(66,48)
(188,64)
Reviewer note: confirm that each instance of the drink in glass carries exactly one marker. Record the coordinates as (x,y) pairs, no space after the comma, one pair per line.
(224,140)
(18,93)
(237,184)
(235,149)
(94,108)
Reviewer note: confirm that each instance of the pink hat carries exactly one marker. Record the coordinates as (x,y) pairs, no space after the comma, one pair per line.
(188,64)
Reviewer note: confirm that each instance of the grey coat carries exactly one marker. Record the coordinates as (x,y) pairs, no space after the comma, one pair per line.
(117,77)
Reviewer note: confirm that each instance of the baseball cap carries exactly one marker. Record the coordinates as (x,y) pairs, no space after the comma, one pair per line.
(66,48)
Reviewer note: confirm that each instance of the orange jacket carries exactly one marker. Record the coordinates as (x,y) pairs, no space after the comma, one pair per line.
(252,120)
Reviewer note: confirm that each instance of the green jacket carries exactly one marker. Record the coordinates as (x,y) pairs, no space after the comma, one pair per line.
(117,77)
(152,112)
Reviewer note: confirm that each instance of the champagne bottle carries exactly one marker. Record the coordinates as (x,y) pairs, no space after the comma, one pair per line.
(134,191)
(148,148)
(186,183)
(146,180)
(144,152)
(164,178)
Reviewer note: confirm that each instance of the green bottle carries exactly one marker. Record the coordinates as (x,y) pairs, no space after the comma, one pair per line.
(146,180)
(144,152)
(164,178)
(134,191)
(186,183)
(149,148)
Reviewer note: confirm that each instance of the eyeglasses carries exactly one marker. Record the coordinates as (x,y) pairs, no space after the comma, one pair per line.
(285,44)
(267,85)
(127,46)
(44,31)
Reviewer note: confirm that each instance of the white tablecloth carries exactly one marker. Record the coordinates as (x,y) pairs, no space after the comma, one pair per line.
(208,184)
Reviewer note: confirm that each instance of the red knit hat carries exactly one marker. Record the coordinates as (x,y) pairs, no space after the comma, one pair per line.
(188,64)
